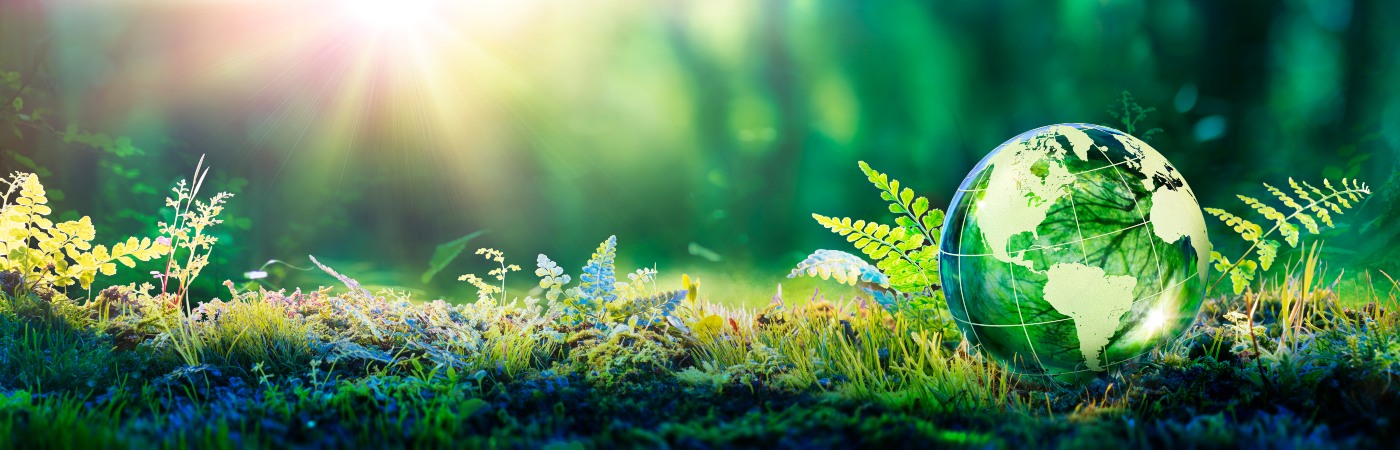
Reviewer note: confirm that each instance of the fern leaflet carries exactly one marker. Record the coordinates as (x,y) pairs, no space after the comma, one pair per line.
(599,276)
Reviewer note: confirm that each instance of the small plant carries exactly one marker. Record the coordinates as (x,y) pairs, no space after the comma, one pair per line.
(905,274)
(188,252)
(599,299)
(1241,272)
(186,231)
(485,290)
(1129,113)
(1311,207)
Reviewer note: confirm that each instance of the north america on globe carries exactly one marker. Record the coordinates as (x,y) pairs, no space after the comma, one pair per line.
(1073,248)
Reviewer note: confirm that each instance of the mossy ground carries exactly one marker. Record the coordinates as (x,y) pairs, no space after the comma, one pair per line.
(803,374)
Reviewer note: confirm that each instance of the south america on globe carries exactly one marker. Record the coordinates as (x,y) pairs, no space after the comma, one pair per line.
(1071,249)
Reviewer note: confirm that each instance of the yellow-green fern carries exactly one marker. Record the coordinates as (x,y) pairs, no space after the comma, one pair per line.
(905,255)
(914,211)
(898,252)
(1311,209)
(57,254)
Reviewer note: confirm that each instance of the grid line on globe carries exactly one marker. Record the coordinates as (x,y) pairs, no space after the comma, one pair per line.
(1021,316)
(960,278)
(1065,244)
(1067,319)
(1082,249)
(1008,241)
(1119,163)
(1137,206)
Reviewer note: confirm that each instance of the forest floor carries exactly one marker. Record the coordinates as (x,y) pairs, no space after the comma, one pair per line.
(353,369)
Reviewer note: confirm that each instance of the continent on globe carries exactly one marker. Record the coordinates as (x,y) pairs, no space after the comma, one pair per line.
(1040,190)
(1073,248)
(1094,300)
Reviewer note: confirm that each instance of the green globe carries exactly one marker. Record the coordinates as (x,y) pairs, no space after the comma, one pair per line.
(1071,249)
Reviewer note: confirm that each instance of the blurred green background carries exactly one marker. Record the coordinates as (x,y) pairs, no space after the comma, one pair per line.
(702,133)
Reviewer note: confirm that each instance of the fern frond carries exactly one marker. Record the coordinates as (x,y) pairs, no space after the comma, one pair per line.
(62,254)
(899,253)
(599,277)
(844,267)
(648,309)
(1315,206)
(904,275)
(1249,231)
(1241,273)
(914,209)
(552,277)
(1281,223)
(851,270)
(1318,210)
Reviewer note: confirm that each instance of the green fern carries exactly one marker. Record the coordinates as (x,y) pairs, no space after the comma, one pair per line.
(49,254)
(898,252)
(905,255)
(1311,210)
(844,267)
(914,209)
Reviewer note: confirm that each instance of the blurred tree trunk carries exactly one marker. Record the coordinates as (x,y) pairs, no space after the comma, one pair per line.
(770,210)
(711,132)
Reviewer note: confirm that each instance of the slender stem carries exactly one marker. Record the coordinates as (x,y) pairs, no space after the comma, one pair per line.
(1263,376)
(174,246)
(503,282)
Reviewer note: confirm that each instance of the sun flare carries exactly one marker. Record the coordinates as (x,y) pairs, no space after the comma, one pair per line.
(399,15)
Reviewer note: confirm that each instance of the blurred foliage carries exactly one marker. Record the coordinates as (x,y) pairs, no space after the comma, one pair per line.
(716,125)
(446,253)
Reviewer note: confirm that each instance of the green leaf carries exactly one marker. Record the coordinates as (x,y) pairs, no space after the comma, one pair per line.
(920,206)
(444,254)
(934,220)
(1242,275)
(1290,233)
(1268,252)
(24,161)
(844,267)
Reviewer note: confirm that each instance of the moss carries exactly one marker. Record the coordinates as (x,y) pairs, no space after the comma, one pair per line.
(624,356)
